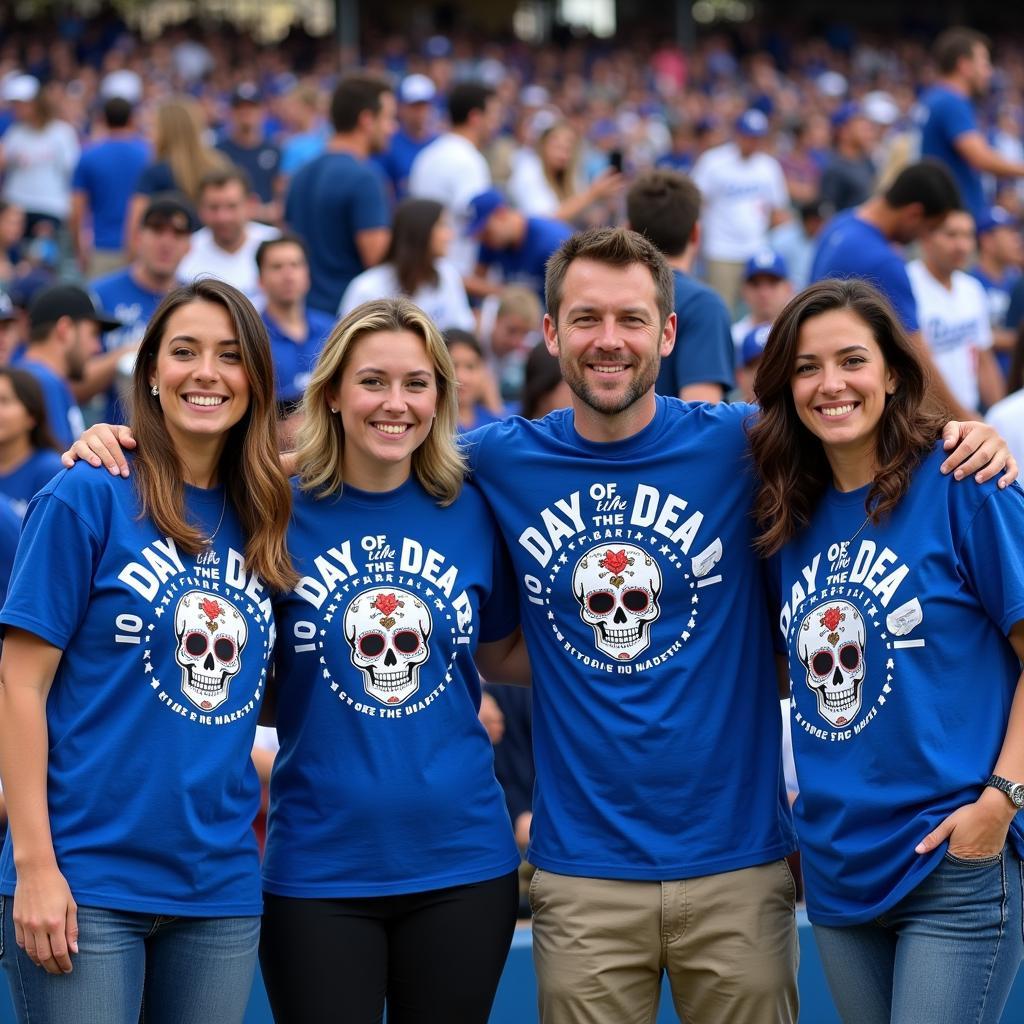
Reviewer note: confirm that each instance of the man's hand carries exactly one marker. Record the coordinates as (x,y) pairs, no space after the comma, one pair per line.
(102,445)
(979,449)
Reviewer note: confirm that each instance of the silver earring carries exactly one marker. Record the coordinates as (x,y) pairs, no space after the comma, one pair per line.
(154,391)
(334,412)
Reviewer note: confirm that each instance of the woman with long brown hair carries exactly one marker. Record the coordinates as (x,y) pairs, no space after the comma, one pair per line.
(902,608)
(138,632)
(28,450)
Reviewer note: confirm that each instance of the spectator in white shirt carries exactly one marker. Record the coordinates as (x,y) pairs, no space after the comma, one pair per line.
(225,247)
(952,309)
(745,196)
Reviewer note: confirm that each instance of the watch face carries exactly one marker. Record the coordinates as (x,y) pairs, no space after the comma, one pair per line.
(1017,794)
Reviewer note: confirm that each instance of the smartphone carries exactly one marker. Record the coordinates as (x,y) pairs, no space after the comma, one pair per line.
(615,160)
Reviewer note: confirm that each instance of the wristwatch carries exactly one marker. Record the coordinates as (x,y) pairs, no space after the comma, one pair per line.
(1014,790)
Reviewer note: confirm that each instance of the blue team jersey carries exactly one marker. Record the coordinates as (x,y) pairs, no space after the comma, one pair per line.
(396,161)
(526,264)
(656,719)
(152,712)
(947,115)
(850,247)
(902,678)
(704,352)
(62,412)
(293,360)
(385,778)
(108,173)
(20,485)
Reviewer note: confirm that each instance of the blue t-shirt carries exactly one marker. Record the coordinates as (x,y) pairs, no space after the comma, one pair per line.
(62,412)
(330,200)
(293,360)
(385,778)
(300,149)
(526,264)
(998,292)
(902,678)
(396,161)
(704,352)
(10,529)
(134,306)
(946,116)
(108,172)
(152,713)
(850,247)
(656,725)
(157,177)
(20,485)
(261,162)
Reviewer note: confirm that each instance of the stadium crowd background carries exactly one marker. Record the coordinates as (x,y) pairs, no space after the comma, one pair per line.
(571,127)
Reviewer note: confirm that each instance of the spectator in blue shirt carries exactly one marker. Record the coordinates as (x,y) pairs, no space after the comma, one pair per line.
(102,186)
(999,269)
(664,205)
(28,452)
(246,146)
(950,130)
(416,116)
(519,246)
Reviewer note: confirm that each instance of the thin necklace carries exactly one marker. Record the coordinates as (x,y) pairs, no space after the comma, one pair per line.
(856,532)
(216,529)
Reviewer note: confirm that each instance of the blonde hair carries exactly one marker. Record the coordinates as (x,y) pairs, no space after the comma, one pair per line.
(437,464)
(177,138)
(249,468)
(565,182)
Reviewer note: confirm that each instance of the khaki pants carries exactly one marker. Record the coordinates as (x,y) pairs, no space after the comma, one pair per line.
(728,943)
(726,278)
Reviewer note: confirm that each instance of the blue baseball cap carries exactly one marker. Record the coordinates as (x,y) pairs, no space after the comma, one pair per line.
(845,113)
(996,217)
(752,123)
(767,262)
(481,207)
(754,343)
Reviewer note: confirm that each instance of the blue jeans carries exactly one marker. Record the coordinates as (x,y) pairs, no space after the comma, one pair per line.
(947,953)
(138,967)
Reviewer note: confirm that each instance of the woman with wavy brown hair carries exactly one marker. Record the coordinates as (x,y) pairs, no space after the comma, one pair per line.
(902,608)
(138,633)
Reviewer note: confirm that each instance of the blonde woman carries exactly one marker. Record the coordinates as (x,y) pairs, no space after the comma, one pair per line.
(390,873)
(180,159)
(138,632)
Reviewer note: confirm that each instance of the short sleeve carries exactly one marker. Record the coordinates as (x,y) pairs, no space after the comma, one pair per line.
(957,118)
(896,285)
(155,178)
(371,207)
(499,614)
(704,351)
(51,582)
(992,556)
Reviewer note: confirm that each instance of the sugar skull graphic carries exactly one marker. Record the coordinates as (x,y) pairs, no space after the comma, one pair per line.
(388,631)
(211,636)
(618,589)
(830,645)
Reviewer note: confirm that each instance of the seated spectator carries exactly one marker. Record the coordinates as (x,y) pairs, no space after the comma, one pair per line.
(307,129)
(28,451)
(547,182)
(509,327)
(225,247)
(416,116)
(795,239)
(417,265)
(517,246)
(10,328)
(64,326)
(999,269)
(475,382)
(750,352)
(765,290)
(849,177)
(246,145)
(297,332)
(544,389)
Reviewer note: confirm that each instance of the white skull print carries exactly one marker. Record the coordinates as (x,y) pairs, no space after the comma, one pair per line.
(211,636)
(830,645)
(388,631)
(618,589)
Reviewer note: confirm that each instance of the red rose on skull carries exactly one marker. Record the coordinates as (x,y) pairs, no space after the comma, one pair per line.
(212,610)
(386,603)
(615,561)
(831,619)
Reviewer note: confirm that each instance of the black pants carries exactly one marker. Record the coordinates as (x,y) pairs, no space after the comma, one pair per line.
(436,956)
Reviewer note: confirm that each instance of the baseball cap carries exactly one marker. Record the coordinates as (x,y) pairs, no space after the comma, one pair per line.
(845,113)
(21,88)
(122,84)
(880,107)
(7,310)
(753,343)
(246,92)
(168,207)
(416,89)
(752,123)
(481,207)
(996,217)
(767,262)
(60,300)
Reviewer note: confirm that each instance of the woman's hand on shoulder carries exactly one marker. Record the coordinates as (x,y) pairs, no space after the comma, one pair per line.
(976,830)
(46,918)
(977,448)
(102,445)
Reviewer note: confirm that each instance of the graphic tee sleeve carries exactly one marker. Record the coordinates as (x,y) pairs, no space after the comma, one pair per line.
(992,556)
(53,572)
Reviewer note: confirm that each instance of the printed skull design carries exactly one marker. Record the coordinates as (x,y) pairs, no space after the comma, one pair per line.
(831,646)
(389,632)
(211,636)
(618,592)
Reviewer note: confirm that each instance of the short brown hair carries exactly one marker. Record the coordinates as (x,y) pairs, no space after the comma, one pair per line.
(954,44)
(354,94)
(221,176)
(664,205)
(615,247)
